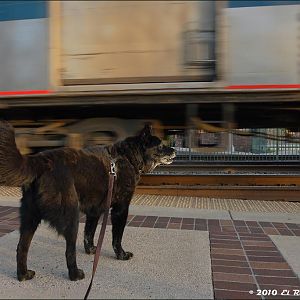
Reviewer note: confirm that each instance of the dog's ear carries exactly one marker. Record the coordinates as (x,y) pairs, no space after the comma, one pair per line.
(146,132)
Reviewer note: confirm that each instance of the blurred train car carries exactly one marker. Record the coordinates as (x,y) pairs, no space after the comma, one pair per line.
(91,72)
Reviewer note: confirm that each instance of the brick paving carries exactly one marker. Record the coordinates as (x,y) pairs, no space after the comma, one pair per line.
(244,261)
(9,219)
(243,257)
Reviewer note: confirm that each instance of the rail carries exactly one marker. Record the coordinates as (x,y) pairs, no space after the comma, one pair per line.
(250,187)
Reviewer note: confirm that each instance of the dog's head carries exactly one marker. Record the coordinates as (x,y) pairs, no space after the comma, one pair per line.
(155,152)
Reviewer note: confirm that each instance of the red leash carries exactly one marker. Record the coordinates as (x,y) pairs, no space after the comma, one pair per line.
(112,176)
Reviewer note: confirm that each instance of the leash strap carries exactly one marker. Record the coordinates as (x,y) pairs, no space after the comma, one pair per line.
(112,176)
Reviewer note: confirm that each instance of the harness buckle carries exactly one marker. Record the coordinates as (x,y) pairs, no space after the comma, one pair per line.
(113,168)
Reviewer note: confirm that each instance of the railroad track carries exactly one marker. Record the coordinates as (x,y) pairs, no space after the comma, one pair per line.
(230,168)
(259,186)
(227,186)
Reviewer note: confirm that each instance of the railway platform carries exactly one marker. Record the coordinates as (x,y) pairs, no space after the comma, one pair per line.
(184,247)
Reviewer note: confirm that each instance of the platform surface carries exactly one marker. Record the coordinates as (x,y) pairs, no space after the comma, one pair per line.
(181,250)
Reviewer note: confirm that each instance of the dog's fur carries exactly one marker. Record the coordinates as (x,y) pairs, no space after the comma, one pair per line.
(59,183)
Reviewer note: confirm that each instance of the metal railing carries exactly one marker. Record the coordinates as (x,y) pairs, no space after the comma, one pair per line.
(246,145)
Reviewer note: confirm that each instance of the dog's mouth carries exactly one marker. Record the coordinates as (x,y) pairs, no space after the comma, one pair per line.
(167,160)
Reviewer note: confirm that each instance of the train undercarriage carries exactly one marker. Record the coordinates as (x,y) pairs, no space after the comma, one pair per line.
(81,119)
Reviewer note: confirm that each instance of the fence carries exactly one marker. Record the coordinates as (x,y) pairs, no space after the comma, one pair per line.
(245,145)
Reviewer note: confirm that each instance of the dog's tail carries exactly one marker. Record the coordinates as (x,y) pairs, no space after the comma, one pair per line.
(15,169)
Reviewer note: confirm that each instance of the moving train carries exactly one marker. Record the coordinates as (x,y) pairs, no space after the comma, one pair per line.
(92,72)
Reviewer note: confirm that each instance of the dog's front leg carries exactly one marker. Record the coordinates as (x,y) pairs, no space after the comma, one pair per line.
(119,214)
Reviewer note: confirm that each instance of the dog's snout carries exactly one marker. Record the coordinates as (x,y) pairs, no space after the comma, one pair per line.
(173,152)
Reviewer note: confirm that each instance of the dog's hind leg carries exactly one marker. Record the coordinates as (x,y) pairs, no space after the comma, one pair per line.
(30,220)
(26,235)
(70,235)
(89,233)
(119,214)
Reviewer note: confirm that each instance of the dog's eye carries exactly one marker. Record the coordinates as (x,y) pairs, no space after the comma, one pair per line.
(160,147)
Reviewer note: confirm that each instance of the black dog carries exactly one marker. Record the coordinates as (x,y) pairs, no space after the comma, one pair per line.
(59,183)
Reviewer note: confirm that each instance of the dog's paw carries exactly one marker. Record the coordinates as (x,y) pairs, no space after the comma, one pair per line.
(90,250)
(27,276)
(76,275)
(124,255)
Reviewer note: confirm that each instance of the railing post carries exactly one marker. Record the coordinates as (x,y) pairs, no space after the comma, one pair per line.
(190,143)
(228,111)
(191,111)
(277,145)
